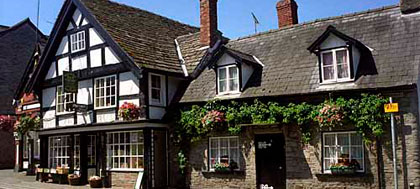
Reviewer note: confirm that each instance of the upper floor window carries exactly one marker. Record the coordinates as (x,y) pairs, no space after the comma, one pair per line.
(78,41)
(224,151)
(343,149)
(335,65)
(105,92)
(65,101)
(228,79)
(156,89)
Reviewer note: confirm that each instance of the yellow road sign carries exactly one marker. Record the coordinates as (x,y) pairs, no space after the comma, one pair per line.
(391,107)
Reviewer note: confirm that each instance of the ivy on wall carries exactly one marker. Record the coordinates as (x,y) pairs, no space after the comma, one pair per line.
(365,113)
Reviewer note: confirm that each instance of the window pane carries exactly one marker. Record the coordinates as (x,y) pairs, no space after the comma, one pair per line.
(341,57)
(342,71)
(356,139)
(327,163)
(327,59)
(329,152)
(156,94)
(155,81)
(222,73)
(343,139)
(233,85)
(328,72)
(329,139)
(233,72)
(356,152)
(222,85)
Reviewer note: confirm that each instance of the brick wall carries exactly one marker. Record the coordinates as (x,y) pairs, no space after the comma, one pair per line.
(306,171)
(7,150)
(123,179)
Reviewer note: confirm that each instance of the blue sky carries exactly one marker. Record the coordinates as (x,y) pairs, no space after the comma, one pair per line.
(235,18)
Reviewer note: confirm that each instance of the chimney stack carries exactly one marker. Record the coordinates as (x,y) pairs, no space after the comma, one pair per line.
(209,33)
(287,13)
(409,6)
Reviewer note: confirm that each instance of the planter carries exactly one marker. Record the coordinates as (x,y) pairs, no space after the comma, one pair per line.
(342,170)
(95,183)
(74,180)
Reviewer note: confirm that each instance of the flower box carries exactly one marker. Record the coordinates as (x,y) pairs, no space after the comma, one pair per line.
(129,111)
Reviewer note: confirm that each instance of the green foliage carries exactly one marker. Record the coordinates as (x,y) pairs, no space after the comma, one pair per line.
(182,161)
(365,113)
(27,123)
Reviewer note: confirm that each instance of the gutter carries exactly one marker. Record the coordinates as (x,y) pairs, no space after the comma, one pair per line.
(181,59)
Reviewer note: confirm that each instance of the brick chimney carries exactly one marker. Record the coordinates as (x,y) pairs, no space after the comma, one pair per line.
(409,6)
(208,22)
(287,13)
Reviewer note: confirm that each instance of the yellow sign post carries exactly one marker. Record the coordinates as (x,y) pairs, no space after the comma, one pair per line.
(391,108)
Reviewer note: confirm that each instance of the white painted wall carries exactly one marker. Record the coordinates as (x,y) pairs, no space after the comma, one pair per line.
(48,119)
(85,92)
(96,58)
(52,72)
(66,120)
(104,116)
(156,112)
(225,60)
(48,97)
(332,41)
(77,16)
(63,65)
(129,84)
(85,22)
(64,46)
(79,63)
(81,118)
(110,56)
(94,37)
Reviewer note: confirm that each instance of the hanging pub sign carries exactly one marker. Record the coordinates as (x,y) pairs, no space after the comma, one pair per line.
(70,82)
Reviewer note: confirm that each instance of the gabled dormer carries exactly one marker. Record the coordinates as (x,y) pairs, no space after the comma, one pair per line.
(233,70)
(340,57)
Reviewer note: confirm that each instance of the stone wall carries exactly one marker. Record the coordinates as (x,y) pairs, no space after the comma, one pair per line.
(123,179)
(306,160)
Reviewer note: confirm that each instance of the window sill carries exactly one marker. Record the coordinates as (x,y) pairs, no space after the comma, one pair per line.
(126,170)
(354,175)
(234,172)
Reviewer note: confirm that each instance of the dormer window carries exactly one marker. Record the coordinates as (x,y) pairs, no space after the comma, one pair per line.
(78,41)
(228,79)
(335,65)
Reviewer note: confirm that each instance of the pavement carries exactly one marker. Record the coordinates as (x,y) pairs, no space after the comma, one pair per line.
(12,180)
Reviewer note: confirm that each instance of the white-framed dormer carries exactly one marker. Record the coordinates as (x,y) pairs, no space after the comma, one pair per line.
(157,90)
(335,65)
(228,80)
(105,90)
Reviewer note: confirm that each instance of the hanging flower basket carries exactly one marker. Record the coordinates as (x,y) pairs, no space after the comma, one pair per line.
(129,111)
(213,118)
(27,123)
(330,115)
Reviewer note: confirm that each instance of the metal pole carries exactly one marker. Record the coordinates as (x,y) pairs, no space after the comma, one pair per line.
(394,150)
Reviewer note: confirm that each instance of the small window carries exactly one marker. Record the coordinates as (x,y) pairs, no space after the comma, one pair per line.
(343,148)
(335,65)
(78,41)
(224,151)
(105,92)
(156,89)
(65,101)
(228,79)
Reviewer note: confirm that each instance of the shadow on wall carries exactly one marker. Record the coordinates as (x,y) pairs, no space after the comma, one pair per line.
(7,150)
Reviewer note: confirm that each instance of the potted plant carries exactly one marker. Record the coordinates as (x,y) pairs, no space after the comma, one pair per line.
(213,118)
(74,179)
(221,167)
(129,111)
(95,182)
(330,115)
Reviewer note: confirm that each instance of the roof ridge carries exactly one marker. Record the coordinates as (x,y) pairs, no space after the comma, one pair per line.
(319,20)
(149,12)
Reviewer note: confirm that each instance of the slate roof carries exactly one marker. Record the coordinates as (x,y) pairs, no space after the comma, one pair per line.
(2,28)
(291,69)
(17,45)
(191,50)
(148,38)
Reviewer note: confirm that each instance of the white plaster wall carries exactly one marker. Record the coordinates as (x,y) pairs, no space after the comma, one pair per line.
(77,16)
(173,85)
(85,22)
(66,120)
(70,27)
(52,72)
(79,63)
(110,56)
(64,46)
(84,93)
(48,97)
(247,71)
(94,37)
(88,117)
(332,41)
(104,116)
(156,112)
(129,84)
(95,58)
(48,119)
(63,65)
(225,60)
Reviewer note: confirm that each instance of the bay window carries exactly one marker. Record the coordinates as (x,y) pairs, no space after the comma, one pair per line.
(228,79)
(343,148)
(125,150)
(335,65)
(105,92)
(224,151)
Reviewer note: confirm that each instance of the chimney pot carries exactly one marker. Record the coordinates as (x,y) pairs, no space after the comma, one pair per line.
(209,33)
(287,13)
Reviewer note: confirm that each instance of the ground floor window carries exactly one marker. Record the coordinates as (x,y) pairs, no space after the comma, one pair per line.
(224,151)
(91,154)
(58,151)
(343,148)
(125,150)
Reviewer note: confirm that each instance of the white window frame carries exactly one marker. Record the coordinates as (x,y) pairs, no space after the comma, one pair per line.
(218,149)
(64,102)
(92,147)
(106,95)
(78,41)
(162,100)
(228,91)
(323,146)
(335,79)
(111,154)
(62,157)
